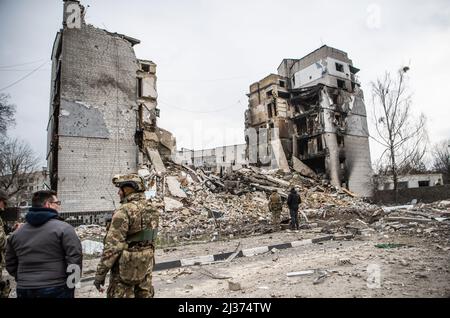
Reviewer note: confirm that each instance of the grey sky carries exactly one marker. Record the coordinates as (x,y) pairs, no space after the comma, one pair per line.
(209,52)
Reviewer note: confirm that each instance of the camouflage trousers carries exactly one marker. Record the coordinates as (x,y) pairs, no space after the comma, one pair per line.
(276,215)
(5,288)
(118,289)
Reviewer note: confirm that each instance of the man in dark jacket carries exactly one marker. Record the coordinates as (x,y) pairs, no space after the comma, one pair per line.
(293,201)
(45,252)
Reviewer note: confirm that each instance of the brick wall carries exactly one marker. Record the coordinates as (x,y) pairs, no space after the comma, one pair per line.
(98,118)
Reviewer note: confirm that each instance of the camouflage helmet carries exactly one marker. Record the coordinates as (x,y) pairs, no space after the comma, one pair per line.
(132,180)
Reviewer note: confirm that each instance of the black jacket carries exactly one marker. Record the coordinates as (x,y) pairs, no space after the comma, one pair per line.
(39,252)
(293,200)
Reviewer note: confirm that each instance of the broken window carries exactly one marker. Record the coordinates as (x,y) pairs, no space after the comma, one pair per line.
(145,68)
(339,67)
(341,83)
(424,184)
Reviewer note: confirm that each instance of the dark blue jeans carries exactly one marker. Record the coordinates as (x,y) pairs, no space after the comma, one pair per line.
(48,292)
(294,219)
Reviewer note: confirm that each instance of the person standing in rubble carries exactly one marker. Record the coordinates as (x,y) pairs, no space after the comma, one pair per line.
(293,202)
(129,244)
(275,207)
(4,284)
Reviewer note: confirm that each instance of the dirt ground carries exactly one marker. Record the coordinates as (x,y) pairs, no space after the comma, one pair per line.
(347,268)
(351,268)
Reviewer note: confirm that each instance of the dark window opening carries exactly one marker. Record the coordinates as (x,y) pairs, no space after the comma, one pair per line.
(424,184)
(340,140)
(319,144)
(275,112)
(271,125)
(339,67)
(145,68)
(402,185)
(282,84)
(269,94)
(293,80)
(341,83)
(139,88)
(269,110)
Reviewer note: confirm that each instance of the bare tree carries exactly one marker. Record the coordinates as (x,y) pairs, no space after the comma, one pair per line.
(17,163)
(7,112)
(441,158)
(403,137)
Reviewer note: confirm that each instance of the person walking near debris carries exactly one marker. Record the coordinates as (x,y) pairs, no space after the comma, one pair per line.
(4,284)
(44,255)
(293,202)
(129,244)
(275,206)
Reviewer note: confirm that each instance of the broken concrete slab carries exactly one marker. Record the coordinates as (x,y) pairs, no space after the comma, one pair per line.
(399,207)
(172,204)
(279,156)
(406,219)
(175,187)
(156,161)
(303,169)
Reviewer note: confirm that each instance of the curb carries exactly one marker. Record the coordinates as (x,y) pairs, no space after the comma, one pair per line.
(208,259)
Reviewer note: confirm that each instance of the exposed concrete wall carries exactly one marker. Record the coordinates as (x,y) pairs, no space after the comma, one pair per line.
(98,90)
(413,180)
(358,165)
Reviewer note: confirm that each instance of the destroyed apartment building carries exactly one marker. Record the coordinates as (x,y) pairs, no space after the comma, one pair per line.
(312,116)
(103,115)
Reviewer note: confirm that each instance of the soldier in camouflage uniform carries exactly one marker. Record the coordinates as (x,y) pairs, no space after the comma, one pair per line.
(275,206)
(129,244)
(4,285)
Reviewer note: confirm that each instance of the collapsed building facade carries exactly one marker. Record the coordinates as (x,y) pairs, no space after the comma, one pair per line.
(103,114)
(313,115)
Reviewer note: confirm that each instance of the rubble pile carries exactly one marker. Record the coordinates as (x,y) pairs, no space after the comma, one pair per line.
(431,221)
(209,206)
(91,232)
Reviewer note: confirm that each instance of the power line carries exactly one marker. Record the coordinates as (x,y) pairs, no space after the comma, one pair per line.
(21,64)
(24,77)
(200,111)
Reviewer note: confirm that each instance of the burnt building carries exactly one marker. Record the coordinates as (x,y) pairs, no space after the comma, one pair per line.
(314,110)
(103,113)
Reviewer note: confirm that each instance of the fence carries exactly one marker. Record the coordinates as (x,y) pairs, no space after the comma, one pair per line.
(425,195)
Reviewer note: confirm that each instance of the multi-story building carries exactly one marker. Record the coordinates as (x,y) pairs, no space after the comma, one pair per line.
(314,109)
(225,158)
(103,110)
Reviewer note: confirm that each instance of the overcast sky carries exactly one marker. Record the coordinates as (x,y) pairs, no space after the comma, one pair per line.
(209,52)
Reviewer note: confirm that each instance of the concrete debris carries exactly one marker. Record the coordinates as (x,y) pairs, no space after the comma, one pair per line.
(175,188)
(156,161)
(92,247)
(303,169)
(234,286)
(92,232)
(172,204)
(301,273)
